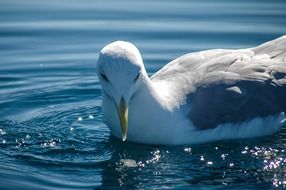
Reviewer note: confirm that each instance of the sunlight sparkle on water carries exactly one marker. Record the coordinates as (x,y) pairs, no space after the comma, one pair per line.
(189,150)
(156,157)
(50,143)
(2,132)
(209,163)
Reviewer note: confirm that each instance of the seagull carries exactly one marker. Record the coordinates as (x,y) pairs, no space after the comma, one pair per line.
(197,98)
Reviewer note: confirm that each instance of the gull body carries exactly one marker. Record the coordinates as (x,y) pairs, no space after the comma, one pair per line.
(198,97)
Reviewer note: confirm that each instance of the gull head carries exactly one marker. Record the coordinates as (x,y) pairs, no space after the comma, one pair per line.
(120,71)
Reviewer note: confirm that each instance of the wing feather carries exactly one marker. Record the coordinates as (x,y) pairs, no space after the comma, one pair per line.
(219,86)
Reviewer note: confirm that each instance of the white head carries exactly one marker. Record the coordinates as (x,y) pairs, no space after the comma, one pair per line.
(121,71)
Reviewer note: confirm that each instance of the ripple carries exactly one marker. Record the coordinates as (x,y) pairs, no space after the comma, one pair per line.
(46,134)
(34,179)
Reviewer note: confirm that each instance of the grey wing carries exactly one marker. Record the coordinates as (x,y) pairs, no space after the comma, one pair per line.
(230,85)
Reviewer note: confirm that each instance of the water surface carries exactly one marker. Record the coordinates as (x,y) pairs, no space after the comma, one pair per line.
(51,130)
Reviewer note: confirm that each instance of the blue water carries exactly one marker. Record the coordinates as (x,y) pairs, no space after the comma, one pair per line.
(51,130)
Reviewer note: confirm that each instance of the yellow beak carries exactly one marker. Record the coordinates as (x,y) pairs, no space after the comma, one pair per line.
(123,117)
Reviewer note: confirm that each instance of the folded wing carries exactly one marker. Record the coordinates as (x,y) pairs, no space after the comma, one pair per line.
(227,86)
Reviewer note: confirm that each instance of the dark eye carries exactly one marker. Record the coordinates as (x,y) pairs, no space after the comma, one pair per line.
(104,77)
(137,76)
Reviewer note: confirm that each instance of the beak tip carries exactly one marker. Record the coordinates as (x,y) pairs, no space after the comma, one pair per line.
(123,138)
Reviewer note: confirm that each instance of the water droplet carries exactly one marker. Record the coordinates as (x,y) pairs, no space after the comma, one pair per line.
(202,158)
(231,164)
